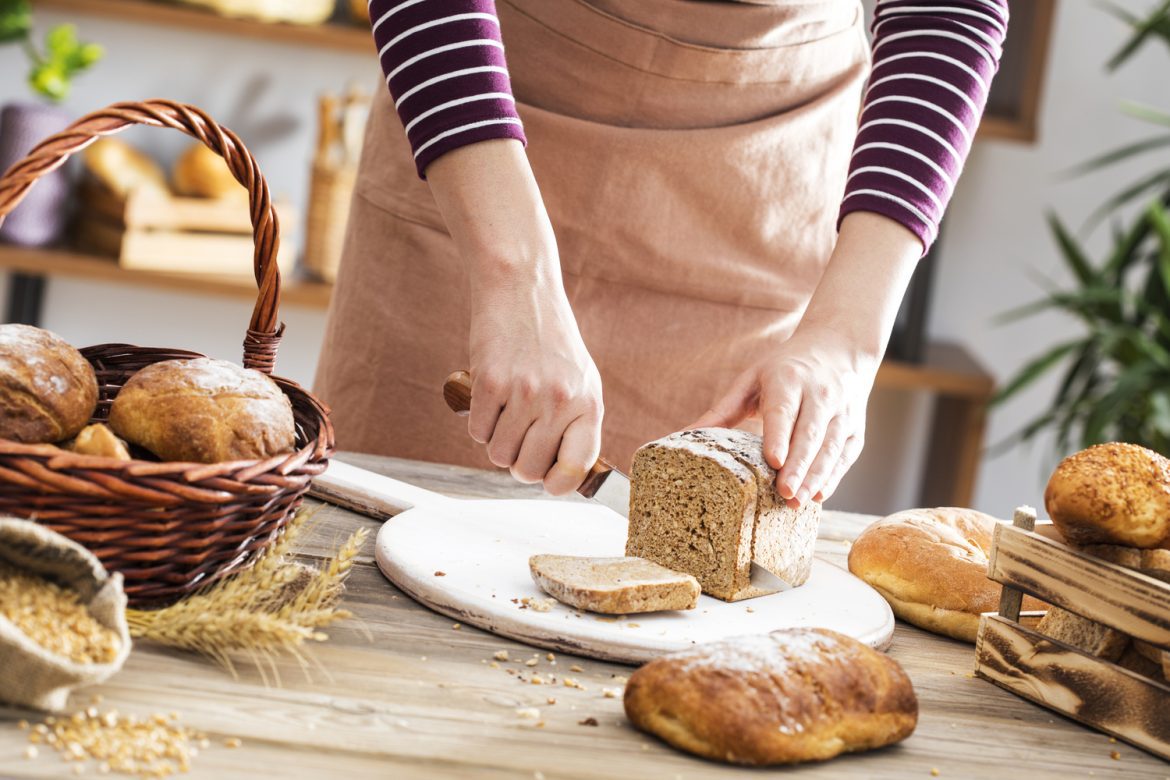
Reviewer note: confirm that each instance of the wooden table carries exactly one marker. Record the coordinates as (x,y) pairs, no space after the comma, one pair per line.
(401,694)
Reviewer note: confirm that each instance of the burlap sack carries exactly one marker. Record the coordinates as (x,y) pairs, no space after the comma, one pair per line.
(30,675)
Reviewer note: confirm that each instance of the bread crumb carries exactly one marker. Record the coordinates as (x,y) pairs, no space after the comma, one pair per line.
(500,655)
(633,625)
(440,574)
(538,725)
(576,668)
(749,609)
(551,657)
(30,752)
(510,671)
(529,713)
(531,662)
(611,693)
(620,678)
(232,742)
(542,605)
(1115,756)
(590,721)
(571,682)
(934,772)
(537,680)
(1113,740)
(456,627)
(551,700)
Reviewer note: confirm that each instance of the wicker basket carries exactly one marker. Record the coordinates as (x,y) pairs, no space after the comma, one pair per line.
(169,528)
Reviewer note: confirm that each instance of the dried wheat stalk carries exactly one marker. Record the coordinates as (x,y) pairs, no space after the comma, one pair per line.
(269,609)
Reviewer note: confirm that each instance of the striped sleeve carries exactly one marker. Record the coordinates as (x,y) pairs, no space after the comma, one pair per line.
(445,68)
(933,61)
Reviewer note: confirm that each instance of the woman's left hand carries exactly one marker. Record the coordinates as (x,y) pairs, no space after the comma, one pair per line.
(811,396)
(811,392)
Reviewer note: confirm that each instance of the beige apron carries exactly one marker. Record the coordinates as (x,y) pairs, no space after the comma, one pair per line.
(692,179)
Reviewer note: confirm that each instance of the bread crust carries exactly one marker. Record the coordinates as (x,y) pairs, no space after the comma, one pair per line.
(204,411)
(728,576)
(792,696)
(931,566)
(613,586)
(1112,493)
(783,539)
(48,390)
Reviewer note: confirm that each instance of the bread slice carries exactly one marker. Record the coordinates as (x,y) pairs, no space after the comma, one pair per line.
(1080,632)
(614,586)
(704,502)
(1157,656)
(783,539)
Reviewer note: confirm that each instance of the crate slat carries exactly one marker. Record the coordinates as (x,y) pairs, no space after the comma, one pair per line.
(1054,675)
(1109,594)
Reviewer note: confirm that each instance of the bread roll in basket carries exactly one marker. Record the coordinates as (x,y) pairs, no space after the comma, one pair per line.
(169,528)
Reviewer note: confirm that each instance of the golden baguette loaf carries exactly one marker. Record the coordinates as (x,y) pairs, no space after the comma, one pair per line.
(931,566)
(48,390)
(204,411)
(805,694)
(1111,494)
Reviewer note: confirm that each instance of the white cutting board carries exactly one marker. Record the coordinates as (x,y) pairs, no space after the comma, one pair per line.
(481,548)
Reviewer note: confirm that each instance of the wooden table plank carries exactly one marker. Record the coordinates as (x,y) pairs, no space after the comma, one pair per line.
(383,711)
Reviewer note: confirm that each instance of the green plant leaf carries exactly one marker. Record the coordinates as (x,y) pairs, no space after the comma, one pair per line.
(1108,410)
(1119,154)
(15,20)
(60,41)
(1154,23)
(1074,256)
(1145,113)
(1130,193)
(1034,369)
(1161,223)
(1126,249)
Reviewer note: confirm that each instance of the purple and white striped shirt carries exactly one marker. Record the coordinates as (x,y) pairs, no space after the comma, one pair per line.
(933,61)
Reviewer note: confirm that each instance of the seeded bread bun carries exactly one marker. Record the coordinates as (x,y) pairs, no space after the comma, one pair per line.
(1111,494)
(931,565)
(48,391)
(803,694)
(204,411)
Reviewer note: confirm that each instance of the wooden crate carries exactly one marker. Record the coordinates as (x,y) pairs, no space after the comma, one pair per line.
(1012,654)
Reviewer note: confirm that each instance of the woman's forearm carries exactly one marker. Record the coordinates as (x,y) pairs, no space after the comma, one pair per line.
(492,207)
(861,290)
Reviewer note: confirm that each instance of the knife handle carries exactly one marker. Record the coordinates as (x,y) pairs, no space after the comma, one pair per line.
(457,394)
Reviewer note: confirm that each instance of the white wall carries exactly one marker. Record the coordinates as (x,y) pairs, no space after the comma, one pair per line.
(995,236)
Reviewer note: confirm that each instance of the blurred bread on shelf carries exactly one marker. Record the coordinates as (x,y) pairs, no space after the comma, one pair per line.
(123,169)
(201,173)
(288,11)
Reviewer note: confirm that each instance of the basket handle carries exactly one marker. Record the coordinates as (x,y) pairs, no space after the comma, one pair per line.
(265,329)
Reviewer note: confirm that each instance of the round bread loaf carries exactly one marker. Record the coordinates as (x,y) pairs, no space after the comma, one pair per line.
(931,565)
(805,694)
(48,391)
(1111,494)
(204,411)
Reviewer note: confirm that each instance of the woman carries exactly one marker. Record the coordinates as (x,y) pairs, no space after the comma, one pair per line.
(714,223)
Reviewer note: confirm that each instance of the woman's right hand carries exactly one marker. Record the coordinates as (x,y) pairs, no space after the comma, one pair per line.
(536,394)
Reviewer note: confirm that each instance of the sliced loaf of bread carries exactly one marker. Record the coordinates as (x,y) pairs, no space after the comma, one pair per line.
(704,502)
(613,586)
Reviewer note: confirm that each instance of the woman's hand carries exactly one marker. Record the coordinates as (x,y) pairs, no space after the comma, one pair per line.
(536,394)
(811,393)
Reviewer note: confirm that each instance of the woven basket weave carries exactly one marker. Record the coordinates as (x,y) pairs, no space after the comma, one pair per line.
(169,528)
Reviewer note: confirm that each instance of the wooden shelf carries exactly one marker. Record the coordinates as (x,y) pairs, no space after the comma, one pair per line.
(73,265)
(948,369)
(334,35)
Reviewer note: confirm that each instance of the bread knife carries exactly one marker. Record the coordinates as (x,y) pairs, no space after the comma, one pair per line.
(604,484)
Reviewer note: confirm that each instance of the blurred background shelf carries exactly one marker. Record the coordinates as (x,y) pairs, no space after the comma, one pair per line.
(34,264)
(335,34)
